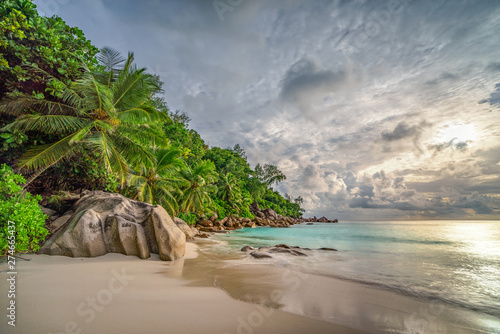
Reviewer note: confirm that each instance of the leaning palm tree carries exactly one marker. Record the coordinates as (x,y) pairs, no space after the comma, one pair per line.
(108,112)
(199,182)
(158,184)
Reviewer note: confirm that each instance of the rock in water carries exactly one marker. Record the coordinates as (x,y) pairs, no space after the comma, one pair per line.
(328,249)
(110,223)
(260,255)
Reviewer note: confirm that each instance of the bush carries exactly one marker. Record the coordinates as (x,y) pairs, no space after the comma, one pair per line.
(189,218)
(23,210)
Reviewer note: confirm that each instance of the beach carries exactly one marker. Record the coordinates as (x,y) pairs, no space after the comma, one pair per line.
(124,294)
(202,293)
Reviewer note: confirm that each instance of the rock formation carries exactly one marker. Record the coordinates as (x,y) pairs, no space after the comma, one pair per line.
(189,232)
(101,223)
(265,252)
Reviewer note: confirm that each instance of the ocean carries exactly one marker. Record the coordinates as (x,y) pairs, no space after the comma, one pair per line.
(450,262)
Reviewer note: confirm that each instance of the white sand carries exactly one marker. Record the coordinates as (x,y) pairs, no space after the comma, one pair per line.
(123,294)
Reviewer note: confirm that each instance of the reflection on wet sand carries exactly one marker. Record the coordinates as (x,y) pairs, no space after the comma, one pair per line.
(320,297)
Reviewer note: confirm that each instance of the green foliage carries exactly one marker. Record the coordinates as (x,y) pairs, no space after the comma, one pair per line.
(239,185)
(22,209)
(177,131)
(29,42)
(159,184)
(83,170)
(189,218)
(228,161)
(283,206)
(12,140)
(218,206)
(57,200)
(111,116)
(269,174)
(198,185)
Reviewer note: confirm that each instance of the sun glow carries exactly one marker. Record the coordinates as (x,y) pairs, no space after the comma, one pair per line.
(457,132)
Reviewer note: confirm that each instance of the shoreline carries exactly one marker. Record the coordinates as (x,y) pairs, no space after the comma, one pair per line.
(370,308)
(210,293)
(118,293)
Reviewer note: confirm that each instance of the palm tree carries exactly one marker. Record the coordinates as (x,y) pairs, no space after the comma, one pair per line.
(108,112)
(158,184)
(229,190)
(198,183)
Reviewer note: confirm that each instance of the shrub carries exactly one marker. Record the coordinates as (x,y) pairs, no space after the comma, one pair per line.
(21,208)
(189,218)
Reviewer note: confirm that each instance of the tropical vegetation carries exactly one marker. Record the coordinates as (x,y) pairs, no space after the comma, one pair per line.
(21,220)
(74,117)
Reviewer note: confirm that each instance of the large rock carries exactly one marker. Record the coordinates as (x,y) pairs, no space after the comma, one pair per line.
(269,213)
(110,223)
(184,227)
(195,231)
(60,221)
(205,222)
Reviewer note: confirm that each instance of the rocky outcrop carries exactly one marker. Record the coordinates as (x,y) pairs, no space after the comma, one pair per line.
(103,223)
(265,252)
(205,223)
(269,217)
(317,220)
(266,217)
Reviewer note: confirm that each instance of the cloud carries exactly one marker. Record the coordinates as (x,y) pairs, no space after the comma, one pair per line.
(305,84)
(493,66)
(444,77)
(343,99)
(494,98)
(452,144)
(403,131)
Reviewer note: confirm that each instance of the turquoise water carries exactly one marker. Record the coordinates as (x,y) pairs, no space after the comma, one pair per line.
(454,262)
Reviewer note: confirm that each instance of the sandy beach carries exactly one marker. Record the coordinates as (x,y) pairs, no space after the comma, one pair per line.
(123,294)
(203,293)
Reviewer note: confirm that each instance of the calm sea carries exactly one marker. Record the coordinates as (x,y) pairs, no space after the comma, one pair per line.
(455,262)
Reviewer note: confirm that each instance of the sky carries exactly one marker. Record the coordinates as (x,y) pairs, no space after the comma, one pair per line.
(373,109)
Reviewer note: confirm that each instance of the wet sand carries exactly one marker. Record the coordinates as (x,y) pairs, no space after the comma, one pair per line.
(123,294)
(354,305)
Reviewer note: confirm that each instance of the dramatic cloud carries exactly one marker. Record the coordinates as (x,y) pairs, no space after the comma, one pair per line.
(371,108)
(494,98)
(304,83)
(403,130)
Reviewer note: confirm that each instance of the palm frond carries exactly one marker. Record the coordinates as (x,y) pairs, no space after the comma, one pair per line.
(18,104)
(82,133)
(50,124)
(168,161)
(132,152)
(46,155)
(128,89)
(111,59)
(136,115)
(97,96)
(110,153)
(167,200)
(128,62)
(144,134)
